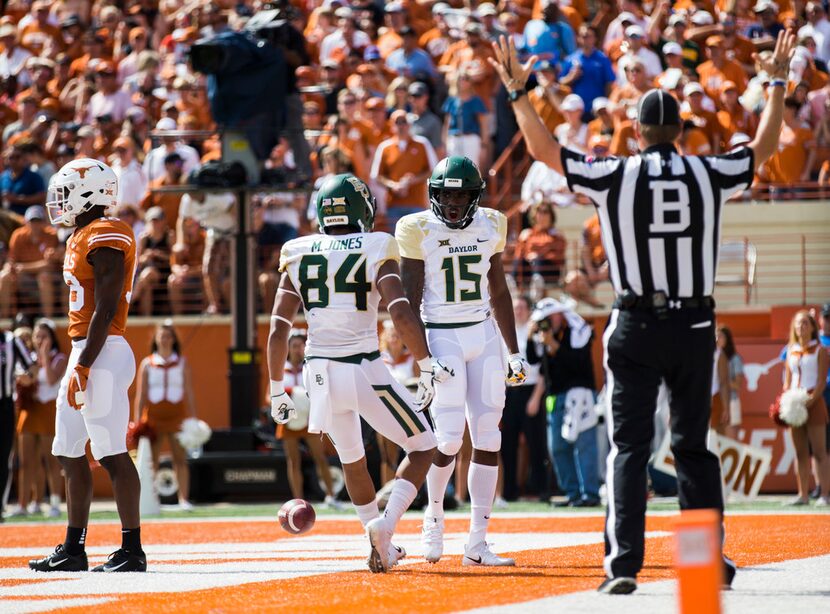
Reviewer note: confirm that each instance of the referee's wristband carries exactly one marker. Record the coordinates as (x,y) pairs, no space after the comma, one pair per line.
(778,83)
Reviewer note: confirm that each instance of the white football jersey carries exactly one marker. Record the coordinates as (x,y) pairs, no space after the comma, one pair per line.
(456,263)
(335,276)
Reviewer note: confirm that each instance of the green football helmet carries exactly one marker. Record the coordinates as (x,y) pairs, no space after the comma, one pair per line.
(345,200)
(455,189)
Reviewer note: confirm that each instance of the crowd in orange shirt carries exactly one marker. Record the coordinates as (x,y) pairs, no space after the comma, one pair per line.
(93,79)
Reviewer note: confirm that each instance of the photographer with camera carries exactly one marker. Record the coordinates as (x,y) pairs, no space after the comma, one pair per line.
(560,340)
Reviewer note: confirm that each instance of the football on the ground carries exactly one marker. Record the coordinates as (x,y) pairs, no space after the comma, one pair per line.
(297,516)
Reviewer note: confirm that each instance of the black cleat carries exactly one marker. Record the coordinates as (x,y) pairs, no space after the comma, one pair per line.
(124,560)
(61,560)
(620,585)
(729,570)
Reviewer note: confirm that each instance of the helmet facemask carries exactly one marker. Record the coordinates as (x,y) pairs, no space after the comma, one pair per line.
(455,207)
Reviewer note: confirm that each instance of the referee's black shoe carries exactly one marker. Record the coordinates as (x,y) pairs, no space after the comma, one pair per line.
(729,571)
(124,560)
(621,585)
(61,560)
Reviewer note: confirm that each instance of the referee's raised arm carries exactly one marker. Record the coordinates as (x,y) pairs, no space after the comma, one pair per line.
(514,75)
(777,67)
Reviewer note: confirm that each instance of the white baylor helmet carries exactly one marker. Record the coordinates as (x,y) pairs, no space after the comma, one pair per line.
(79,186)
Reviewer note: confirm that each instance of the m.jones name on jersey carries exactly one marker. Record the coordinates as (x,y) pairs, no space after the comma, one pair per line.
(337,244)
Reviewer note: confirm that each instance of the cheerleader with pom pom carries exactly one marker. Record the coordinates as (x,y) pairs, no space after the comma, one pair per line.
(803,407)
(164,399)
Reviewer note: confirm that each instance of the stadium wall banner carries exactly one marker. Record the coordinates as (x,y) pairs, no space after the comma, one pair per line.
(204,342)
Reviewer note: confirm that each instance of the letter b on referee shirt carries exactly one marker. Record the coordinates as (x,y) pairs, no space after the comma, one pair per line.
(671,212)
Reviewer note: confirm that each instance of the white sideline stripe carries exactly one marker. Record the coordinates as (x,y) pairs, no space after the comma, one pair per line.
(47,605)
(798,585)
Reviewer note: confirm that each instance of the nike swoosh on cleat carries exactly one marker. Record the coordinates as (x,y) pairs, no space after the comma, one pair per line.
(55,564)
(475,560)
(486,518)
(117,567)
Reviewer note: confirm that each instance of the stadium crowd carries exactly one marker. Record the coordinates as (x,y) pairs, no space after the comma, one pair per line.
(387,89)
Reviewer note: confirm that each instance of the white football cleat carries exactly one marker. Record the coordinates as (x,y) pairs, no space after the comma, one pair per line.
(396,553)
(432,538)
(481,555)
(380,540)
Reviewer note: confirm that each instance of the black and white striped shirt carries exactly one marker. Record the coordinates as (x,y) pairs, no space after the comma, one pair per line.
(659,213)
(12,353)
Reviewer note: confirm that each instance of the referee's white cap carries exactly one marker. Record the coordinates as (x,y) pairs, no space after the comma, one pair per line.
(658,108)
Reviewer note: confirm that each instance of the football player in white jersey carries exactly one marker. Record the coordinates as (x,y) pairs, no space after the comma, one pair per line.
(451,266)
(339,277)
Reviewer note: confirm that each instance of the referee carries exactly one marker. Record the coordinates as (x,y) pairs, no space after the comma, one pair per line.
(660,219)
(12,354)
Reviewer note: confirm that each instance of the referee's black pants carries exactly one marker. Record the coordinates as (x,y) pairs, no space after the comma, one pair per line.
(640,349)
(515,421)
(7,432)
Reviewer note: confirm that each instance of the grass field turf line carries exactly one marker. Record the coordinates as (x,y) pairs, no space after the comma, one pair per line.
(541,572)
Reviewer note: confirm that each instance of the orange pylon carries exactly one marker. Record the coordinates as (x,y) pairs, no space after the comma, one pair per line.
(698,561)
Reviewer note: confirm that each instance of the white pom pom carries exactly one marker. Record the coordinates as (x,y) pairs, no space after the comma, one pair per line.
(194,433)
(793,408)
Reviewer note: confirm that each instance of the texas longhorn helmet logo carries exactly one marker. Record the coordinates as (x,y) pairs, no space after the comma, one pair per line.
(83,169)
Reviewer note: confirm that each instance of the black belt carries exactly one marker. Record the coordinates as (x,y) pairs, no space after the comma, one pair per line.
(659,302)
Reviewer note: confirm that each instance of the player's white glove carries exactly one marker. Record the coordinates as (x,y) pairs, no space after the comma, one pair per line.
(432,370)
(282,406)
(517,369)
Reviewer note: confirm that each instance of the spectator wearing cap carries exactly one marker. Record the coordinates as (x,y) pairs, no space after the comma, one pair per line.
(793,160)
(548,95)
(588,71)
(174,175)
(154,163)
(733,117)
(637,82)
(72,30)
(630,16)
(132,184)
(32,263)
(488,14)
(737,48)
(375,114)
(409,60)
(139,41)
(85,143)
(573,132)
(820,28)
(39,35)
(470,56)
(109,99)
(345,37)
(702,117)
(603,122)
(437,39)
(395,19)
(769,27)
(466,127)
(551,37)
(634,46)
(27,111)
(717,70)
(41,70)
(677,32)
(13,57)
(153,253)
(422,121)
(672,54)
(20,187)
(402,164)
